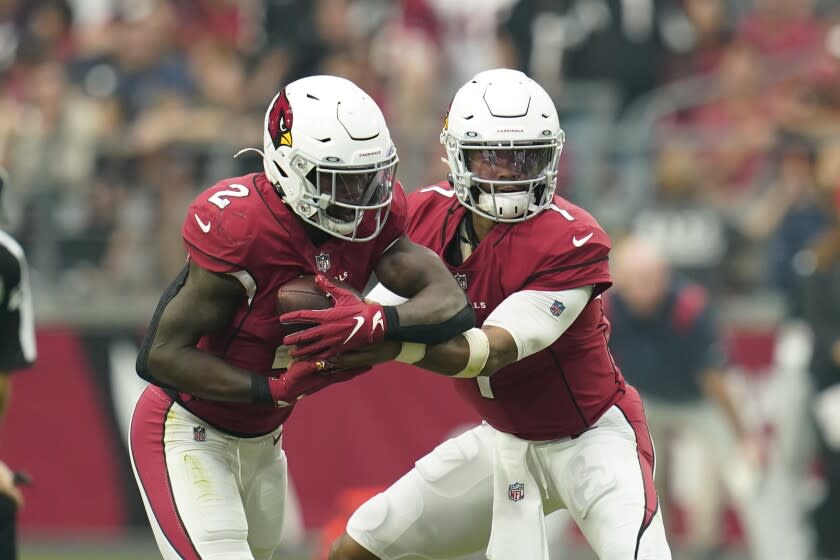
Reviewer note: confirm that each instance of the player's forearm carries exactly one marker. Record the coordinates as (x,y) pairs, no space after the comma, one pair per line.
(426,321)
(196,372)
(453,357)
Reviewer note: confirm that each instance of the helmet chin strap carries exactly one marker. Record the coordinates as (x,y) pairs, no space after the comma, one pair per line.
(507,205)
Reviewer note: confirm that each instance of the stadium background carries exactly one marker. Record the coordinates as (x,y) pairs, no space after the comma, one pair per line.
(115,113)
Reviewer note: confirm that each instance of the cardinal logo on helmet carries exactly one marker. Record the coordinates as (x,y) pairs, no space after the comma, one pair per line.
(280,121)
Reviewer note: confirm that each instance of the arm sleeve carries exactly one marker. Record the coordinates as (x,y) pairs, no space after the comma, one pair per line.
(536,319)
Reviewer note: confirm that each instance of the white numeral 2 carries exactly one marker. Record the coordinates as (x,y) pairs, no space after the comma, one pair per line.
(235,190)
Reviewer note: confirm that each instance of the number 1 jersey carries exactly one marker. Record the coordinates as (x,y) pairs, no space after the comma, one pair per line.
(562,390)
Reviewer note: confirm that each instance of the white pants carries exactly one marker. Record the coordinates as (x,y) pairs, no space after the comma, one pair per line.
(442,509)
(209,495)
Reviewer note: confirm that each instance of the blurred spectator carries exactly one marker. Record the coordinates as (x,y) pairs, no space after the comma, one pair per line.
(782,28)
(819,294)
(682,220)
(790,213)
(596,30)
(665,336)
(469,32)
(9,32)
(737,129)
(50,23)
(700,39)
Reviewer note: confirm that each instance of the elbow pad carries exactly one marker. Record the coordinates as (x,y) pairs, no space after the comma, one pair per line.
(436,333)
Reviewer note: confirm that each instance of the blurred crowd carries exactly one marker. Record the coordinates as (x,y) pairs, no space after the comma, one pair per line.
(707,125)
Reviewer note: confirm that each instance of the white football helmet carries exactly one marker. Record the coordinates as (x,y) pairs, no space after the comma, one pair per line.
(328,151)
(503,140)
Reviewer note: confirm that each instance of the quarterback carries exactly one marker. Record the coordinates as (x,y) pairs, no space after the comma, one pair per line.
(562,428)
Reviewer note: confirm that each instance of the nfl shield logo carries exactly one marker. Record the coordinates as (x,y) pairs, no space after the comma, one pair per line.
(516,491)
(199,434)
(322,261)
(557,308)
(461,278)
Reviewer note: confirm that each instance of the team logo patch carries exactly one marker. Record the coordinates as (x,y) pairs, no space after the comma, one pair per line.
(516,492)
(280,121)
(322,261)
(199,433)
(557,308)
(461,278)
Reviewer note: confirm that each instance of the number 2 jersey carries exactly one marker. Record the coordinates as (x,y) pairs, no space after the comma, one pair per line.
(562,390)
(241,227)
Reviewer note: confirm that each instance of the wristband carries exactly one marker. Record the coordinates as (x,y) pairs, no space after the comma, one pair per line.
(479,352)
(261,391)
(411,352)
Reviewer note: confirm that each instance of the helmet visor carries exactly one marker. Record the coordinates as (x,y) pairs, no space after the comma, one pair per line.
(513,165)
(351,191)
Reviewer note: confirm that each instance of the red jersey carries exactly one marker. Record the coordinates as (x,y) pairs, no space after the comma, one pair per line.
(559,391)
(240,226)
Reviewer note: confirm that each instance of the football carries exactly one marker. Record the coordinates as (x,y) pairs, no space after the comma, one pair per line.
(301,294)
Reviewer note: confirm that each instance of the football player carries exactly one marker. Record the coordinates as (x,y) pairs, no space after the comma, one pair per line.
(205,434)
(561,427)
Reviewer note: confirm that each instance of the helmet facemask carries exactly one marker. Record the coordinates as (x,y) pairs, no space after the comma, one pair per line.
(505,181)
(348,202)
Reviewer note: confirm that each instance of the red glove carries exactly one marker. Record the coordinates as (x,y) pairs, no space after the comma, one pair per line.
(302,378)
(307,377)
(349,324)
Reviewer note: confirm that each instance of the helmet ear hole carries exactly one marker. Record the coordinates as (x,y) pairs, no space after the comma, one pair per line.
(280,170)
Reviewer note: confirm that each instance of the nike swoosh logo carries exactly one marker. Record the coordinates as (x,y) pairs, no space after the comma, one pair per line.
(579,242)
(377,322)
(359,322)
(276,439)
(204,227)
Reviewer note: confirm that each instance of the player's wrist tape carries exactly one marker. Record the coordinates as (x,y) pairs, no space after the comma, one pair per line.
(427,334)
(479,352)
(261,390)
(411,352)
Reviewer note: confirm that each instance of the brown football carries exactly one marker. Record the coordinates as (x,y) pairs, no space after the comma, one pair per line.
(302,294)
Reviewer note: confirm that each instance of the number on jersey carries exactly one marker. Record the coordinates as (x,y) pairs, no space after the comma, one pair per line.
(235,190)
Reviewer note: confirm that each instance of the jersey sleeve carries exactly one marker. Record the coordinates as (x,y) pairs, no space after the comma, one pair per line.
(423,205)
(577,256)
(218,229)
(17,326)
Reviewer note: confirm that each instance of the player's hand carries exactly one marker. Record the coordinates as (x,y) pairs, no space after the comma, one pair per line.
(7,484)
(351,323)
(301,378)
(368,355)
